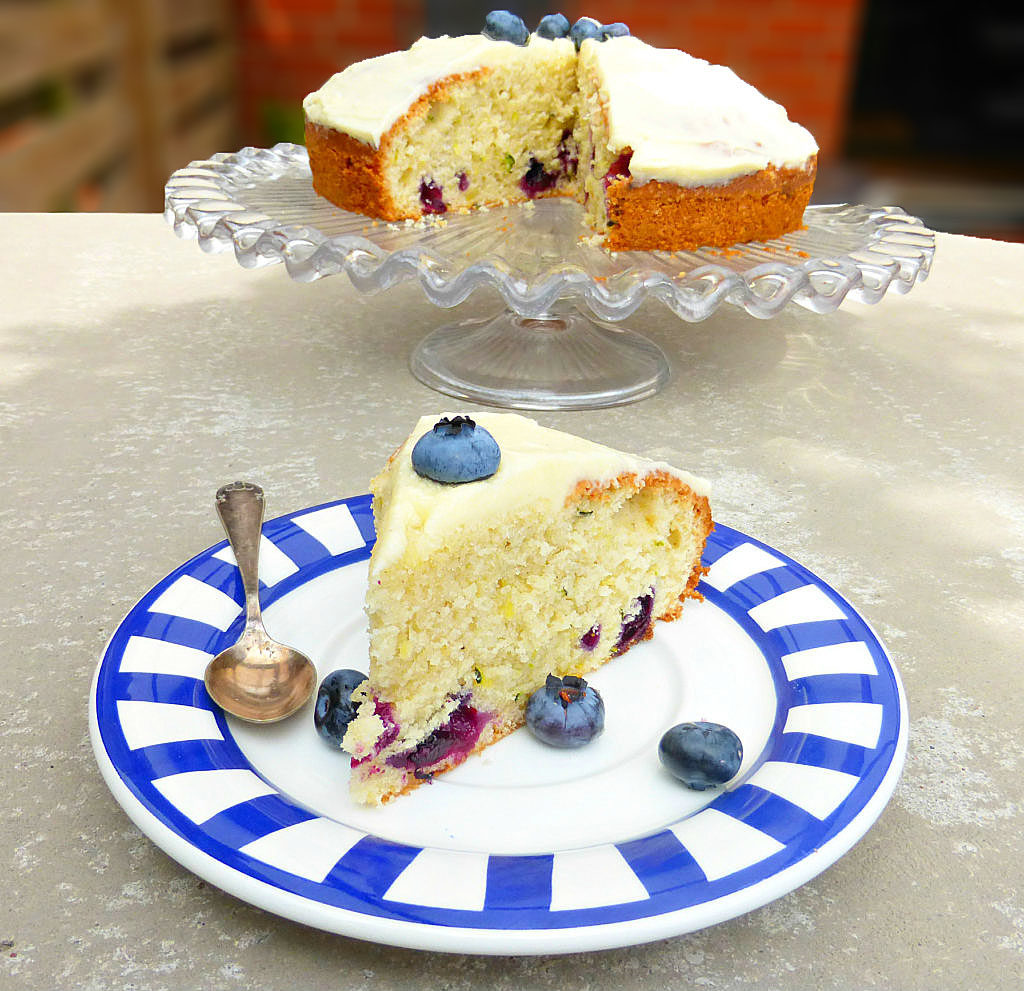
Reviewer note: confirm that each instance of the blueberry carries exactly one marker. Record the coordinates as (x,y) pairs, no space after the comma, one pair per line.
(503,25)
(591,638)
(566,712)
(454,738)
(568,154)
(553,26)
(334,707)
(616,30)
(432,197)
(537,180)
(701,755)
(585,27)
(619,168)
(456,451)
(636,623)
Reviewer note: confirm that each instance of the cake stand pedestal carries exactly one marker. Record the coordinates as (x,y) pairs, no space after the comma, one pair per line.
(546,351)
(557,360)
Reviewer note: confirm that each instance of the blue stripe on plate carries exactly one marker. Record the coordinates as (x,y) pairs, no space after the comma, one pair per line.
(165,759)
(782,820)
(836,688)
(371,866)
(140,686)
(248,821)
(766,585)
(661,862)
(519,882)
(292,540)
(719,544)
(177,629)
(221,575)
(820,633)
(804,748)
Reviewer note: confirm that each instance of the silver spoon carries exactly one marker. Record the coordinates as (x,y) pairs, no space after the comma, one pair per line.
(258,679)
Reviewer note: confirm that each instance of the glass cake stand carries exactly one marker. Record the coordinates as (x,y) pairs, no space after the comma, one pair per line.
(558,344)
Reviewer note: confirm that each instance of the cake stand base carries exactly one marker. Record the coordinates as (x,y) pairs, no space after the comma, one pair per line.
(561,360)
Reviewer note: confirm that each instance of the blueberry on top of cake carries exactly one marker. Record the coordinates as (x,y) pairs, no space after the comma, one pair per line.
(559,561)
(456,451)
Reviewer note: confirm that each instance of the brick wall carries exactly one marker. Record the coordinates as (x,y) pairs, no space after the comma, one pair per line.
(289,47)
(798,52)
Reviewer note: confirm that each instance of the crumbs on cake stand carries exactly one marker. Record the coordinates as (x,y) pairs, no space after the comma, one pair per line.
(788,248)
(417,223)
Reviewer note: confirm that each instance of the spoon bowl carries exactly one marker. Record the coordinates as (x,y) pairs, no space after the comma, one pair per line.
(256,679)
(260,683)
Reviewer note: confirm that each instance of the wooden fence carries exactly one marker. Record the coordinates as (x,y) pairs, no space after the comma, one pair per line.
(100,100)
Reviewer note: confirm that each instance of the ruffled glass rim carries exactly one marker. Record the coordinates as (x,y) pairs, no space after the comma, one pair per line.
(259,202)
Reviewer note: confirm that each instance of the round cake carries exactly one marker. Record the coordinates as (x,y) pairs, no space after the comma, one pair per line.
(665,151)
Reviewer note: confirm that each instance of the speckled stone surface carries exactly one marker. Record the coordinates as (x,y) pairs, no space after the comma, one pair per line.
(880,446)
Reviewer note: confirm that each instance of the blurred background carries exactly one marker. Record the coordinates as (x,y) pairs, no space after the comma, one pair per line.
(913,102)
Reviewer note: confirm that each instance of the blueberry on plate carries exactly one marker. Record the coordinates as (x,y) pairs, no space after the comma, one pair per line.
(585,27)
(566,712)
(503,25)
(701,755)
(616,30)
(456,450)
(553,26)
(334,707)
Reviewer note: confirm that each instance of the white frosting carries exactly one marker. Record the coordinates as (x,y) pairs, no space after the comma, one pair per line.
(688,121)
(366,99)
(539,469)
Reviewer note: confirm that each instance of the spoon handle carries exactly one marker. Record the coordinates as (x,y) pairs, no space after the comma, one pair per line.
(240,506)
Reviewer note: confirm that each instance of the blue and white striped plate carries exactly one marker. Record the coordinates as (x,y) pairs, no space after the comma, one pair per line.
(523,849)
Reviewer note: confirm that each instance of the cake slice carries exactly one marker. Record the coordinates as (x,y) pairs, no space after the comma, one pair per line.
(554,564)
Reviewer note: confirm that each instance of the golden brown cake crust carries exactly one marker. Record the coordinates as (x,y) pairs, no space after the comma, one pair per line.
(659,216)
(350,173)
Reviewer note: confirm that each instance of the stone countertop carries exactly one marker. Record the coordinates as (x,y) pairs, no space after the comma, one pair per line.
(880,446)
